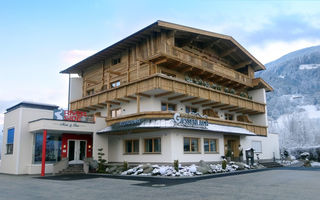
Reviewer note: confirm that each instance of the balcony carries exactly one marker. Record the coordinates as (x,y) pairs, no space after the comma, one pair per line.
(175,56)
(173,89)
(259,130)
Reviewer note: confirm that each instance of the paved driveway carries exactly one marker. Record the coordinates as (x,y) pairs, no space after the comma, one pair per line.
(271,184)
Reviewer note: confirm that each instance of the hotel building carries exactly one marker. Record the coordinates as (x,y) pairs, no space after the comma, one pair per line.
(167,92)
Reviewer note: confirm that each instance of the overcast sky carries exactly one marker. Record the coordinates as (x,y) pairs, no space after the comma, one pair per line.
(38,39)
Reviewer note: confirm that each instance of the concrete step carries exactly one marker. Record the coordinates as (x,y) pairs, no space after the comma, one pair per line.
(271,164)
(73,169)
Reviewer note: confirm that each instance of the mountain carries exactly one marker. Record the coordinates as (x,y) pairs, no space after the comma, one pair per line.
(294,105)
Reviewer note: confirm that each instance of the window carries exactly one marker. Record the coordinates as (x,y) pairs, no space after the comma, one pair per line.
(210,145)
(152,145)
(191,109)
(116,60)
(115,112)
(115,84)
(90,92)
(10,140)
(228,116)
(191,145)
(53,148)
(257,146)
(131,146)
(168,107)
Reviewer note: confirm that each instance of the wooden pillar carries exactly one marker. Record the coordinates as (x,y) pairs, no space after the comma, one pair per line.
(43,157)
(108,111)
(138,103)
(138,67)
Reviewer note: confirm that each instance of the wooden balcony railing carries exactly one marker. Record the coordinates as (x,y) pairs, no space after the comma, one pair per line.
(169,84)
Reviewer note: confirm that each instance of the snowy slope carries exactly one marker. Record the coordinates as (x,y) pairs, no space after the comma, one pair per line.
(294,106)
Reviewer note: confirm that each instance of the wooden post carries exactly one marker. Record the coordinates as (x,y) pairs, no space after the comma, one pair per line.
(138,103)
(108,111)
(138,67)
(43,157)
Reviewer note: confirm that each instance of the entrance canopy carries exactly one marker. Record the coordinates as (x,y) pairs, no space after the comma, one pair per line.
(61,126)
(170,124)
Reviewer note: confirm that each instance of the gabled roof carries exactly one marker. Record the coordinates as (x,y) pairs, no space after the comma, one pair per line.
(128,41)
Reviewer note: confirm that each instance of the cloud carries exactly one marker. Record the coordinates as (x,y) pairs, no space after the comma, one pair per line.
(273,50)
(73,56)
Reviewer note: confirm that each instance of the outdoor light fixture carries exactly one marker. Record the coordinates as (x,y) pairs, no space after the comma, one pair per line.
(89,146)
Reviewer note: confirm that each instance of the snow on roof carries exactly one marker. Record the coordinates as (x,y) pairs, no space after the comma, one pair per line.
(29,104)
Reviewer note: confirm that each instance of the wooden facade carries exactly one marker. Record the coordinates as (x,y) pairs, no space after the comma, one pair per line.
(157,60)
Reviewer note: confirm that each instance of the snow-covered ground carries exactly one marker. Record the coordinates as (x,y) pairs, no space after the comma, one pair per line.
(315,164)
(309,66)
(192,170)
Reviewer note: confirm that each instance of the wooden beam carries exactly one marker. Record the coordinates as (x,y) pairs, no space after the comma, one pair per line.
(237,109)
(131,97)
(103,104)
(199,102)
(163,94)
(108,110)
(161,61)
(113,102)
(219,105)
(215,42)
(97,106)
(242,64)
(188,68)
(114,72)
(143,95)
(228,107)
(229,51)
(90,108)
(210,104)
(191,99)
(83,110)
(177,97)
(123,100)
(138,103)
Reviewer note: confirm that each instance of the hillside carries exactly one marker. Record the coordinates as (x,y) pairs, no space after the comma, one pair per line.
(294,106)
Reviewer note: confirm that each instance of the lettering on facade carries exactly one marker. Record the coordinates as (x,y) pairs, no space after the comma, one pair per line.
(69,124)
(191,120)
(70,115)
(130,122)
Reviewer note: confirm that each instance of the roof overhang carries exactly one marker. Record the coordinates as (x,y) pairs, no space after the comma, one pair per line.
(132,39)
(156,124)
(59,126)
(260,83)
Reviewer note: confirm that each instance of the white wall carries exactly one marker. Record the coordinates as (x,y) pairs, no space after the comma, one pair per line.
(270,145)
(75,88)
(23,140)
(99,140)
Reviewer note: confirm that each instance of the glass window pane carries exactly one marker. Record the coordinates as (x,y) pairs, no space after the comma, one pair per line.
(194,145)
(171,107)
(186,144)
(128,146)
(157,145)
(213,147)
(148,145)
(187,109)
(194,110)
(53,148)
(206,144)
(136,146)
(163,107)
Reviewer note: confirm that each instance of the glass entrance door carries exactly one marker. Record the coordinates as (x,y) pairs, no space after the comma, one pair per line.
(77,151)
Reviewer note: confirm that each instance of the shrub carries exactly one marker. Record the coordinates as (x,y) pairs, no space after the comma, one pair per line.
(243,94)
(226,90)
(224,164)
(125,166)
(176,165)
(101,161)
(206,84)
(232,91)
(250,97)
(219,87)
(214,86)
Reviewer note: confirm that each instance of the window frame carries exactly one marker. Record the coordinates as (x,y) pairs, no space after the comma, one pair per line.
(90,92)
(116,83)
(227,116)
(190,147)
(152,139)
(116,60)
(116,112)
(132,146)
(210,151)
(190,109)
(167,106)
(10,146)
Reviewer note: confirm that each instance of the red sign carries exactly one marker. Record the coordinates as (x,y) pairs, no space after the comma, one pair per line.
(76,116)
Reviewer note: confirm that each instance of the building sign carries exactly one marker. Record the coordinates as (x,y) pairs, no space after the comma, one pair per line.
(130,122)
(70,115)
(191,120)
